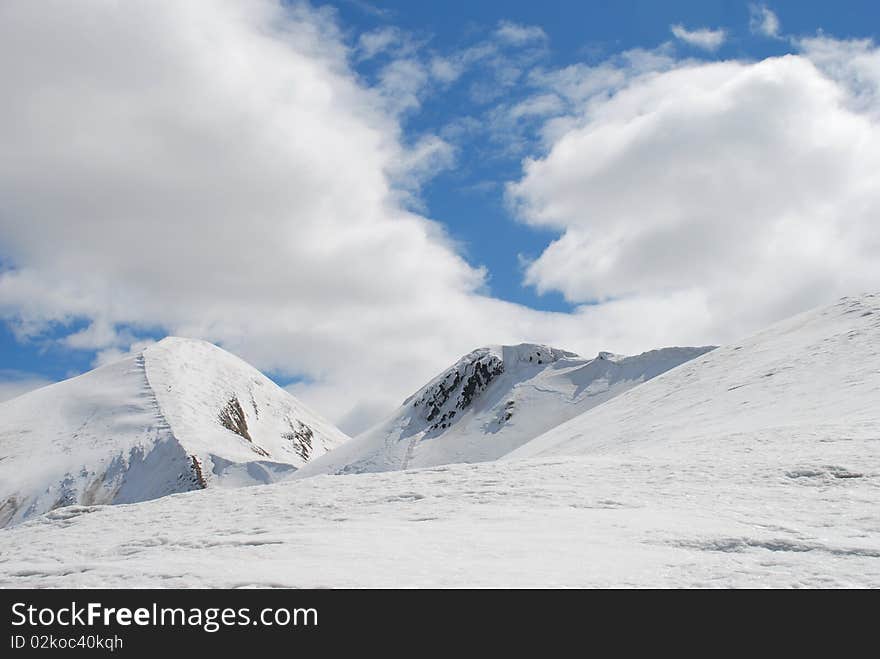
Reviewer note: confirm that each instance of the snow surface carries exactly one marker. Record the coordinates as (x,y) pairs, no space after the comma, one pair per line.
(819,369)
(150,425)
(777,511)
(757,464)
(492,401)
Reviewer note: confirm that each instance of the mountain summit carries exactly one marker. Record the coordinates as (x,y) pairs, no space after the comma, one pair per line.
(492,401)
(180,415)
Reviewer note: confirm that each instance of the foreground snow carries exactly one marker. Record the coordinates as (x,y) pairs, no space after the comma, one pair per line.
(768,509)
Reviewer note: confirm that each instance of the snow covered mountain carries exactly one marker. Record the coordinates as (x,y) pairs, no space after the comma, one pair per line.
(755,465)
(180,415)
(812,378)
(492,401)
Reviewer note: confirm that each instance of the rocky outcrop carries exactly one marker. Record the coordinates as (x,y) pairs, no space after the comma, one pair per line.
(457,388)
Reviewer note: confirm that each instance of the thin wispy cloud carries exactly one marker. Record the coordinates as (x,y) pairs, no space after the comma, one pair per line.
(378,41)
(370,9)
(763,21)
(517,34)
(703,38)
(15,383)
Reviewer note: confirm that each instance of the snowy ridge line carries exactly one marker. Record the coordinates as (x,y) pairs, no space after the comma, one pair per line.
(141,360)
(491,401)
(797,375)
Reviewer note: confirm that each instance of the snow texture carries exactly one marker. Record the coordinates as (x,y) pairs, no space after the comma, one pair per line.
(180,415)
(818,369)
(492,401)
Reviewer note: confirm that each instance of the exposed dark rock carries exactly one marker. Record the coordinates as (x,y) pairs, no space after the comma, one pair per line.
(300,436)
(197,471)
(458,388)
(232,418)
(484,372)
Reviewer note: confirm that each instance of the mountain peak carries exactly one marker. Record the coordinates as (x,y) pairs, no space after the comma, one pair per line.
(455,389)
(181,414)
(491,401)
(184,347)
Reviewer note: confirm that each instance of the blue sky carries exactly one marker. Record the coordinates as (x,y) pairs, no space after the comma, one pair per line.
(139,204)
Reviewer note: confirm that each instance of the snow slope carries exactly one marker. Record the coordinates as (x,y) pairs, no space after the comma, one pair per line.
(778,515)
(492,401)
(180,415)
(818,370)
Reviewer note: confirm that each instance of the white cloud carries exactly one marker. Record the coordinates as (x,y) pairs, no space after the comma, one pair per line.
(516,34)
(445,69)
(541,105)
(553,97)
(403,82)
(580,84)
(214,169)
(748,190)
(370,9)
(419,163)
(854,64)
(15,383)
(370,44)
(496,64)
(763,21)
(701,38)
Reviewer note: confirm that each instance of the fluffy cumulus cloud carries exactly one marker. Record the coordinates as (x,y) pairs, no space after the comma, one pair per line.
(215,169)
(748,191)
(854,64)
(704,38)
